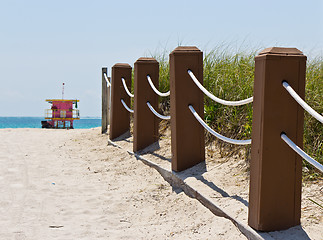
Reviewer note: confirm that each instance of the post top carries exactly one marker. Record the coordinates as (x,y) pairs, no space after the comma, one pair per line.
(122,65)
(181,49)
(146,60)
(281,51)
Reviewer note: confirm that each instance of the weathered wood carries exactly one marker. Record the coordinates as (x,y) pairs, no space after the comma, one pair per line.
(104,116)
(108,101)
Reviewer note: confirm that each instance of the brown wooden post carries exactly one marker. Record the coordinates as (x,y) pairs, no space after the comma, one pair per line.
(188,146)
(145,130)
(275,169)
(104,122)
(120,117)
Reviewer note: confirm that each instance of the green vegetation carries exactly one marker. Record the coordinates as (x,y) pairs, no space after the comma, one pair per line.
(313,129)
(230,76)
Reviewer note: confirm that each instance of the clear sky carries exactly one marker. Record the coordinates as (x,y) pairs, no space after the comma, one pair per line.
(45,43)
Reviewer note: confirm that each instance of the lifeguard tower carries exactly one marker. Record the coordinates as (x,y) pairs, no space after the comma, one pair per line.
(62,114)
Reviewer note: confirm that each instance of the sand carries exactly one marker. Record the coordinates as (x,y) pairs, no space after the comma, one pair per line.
(72,184)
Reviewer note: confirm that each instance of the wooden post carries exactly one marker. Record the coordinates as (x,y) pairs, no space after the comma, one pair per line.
(120,117)
(188,146)
(145,130)
(104,102)
(275,169)
(108,101)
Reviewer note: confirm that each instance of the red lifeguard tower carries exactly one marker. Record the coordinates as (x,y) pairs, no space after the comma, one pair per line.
(61,114)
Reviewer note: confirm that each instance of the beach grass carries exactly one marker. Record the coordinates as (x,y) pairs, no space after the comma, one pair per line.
(230,76)
(313,129)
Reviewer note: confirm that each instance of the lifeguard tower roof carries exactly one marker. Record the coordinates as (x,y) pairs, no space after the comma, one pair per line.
(62,100)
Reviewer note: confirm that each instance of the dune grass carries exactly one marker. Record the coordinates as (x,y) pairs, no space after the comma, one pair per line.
(230,76)
(313,129)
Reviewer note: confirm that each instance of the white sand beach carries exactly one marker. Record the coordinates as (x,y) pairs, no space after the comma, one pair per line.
(70,184)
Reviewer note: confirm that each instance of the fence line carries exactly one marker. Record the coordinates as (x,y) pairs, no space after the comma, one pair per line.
(126,107)
(155,89)
(214,133)
(156,113)
(267,184)
(301,102)
(216,99)
(126,88)
(300,152)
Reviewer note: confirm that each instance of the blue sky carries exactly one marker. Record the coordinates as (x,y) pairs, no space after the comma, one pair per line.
(45,43)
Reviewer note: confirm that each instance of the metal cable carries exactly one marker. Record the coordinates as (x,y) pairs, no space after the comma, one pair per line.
(126,107)
(126,88)
(155,89)
(107,79)
(300,152)
(301,102)
(156,113)
(216,99)
(214,133)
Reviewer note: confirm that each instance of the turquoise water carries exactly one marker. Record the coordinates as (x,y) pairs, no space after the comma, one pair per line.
(35,122)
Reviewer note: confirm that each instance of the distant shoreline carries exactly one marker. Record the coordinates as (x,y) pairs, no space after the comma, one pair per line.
(35,122)
(43,117)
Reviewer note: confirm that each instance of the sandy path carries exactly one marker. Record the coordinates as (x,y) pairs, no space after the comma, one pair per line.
(59,184)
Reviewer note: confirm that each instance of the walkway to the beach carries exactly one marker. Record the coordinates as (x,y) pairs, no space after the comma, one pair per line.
(59,184)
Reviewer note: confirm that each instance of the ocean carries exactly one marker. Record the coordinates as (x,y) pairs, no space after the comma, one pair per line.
(35,122)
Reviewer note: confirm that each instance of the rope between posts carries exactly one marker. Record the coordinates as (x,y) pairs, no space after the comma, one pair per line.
(300,152)
(126,107)
(155,89)
(126,88)
(216,99)
(301,102)
(107,79)
(156,113)
(214,133)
